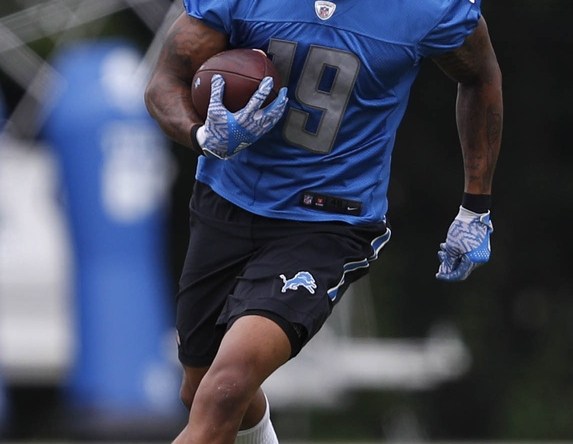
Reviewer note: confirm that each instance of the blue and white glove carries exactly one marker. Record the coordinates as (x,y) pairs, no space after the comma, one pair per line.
(467,245)
(224,133)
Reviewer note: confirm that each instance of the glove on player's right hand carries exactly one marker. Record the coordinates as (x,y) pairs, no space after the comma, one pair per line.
(224,133)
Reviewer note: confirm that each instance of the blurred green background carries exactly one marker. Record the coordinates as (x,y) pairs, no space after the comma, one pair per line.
(515,315)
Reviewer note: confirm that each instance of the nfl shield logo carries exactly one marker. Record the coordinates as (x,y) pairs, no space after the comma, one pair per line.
(324,9)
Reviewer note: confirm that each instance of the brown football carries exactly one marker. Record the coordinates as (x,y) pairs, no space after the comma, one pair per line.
(243,69)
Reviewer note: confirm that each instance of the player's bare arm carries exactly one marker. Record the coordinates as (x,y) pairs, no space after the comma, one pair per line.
(479,109)
(188,44)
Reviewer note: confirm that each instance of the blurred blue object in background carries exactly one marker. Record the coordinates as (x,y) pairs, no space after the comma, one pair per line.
(115,174)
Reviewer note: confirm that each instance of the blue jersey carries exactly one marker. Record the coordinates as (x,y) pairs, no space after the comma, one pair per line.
(349,66)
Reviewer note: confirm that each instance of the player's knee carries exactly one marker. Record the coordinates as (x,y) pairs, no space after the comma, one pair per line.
(227,390)
(191,380)
(187,394)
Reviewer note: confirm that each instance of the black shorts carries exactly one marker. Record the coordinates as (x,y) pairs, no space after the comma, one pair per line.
(239,263)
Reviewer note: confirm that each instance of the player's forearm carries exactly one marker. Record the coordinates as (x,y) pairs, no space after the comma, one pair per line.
(480,121)
(168,96)
(168,101)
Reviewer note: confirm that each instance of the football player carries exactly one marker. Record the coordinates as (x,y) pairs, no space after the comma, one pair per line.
(290,200)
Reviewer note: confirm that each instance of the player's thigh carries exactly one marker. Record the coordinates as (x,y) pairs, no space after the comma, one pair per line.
(298,278)
(252,349)
(219,246)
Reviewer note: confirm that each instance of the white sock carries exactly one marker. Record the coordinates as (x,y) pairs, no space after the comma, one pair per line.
(262,433)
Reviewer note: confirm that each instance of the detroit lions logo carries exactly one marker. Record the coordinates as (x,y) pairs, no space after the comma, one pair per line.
(301,279)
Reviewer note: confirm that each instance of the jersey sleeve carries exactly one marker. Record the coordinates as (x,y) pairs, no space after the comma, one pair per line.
(215,13)
(458,20)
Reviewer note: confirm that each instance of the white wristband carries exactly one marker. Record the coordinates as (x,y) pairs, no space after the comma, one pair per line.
(468,216)
(200,136)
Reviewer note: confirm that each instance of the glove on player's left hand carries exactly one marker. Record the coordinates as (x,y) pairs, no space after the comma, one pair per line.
(467,245)
(224,133)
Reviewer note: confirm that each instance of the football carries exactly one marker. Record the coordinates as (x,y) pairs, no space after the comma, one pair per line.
(243,69)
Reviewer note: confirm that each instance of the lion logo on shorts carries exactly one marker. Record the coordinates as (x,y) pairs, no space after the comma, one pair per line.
(301,279)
